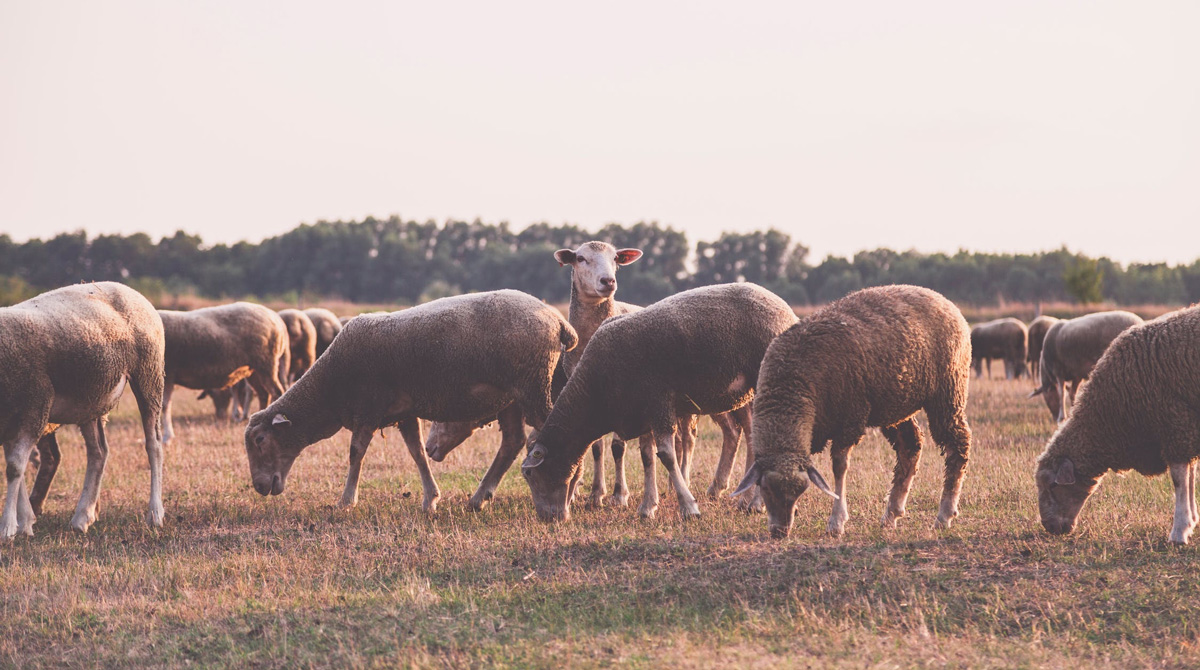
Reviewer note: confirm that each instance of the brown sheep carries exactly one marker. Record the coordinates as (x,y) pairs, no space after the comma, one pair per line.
(696,352)
(1004,339)
(67,356)
(302,341)
(1140,411)
(1070,351)
(1036,335)
(216,347)
(873,358)
(449,360)
(327,324)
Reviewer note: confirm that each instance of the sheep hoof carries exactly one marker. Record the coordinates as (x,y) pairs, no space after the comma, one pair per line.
(81,521)
(836,528)
(943,523)
(620,499)
(1180,537)
(597,498)
(890,519)
(348,503)
(154,517)
(8,528)
(479,501)
(430,505)
(647,512)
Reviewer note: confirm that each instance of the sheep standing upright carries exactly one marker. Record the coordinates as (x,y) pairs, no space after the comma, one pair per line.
(696,352)
(216,347)
(327,326)
(66,357)
(873,358)
(1033,348)
(1070,351)
(1005,339)
(1139,411)
(457,359)
(302,341)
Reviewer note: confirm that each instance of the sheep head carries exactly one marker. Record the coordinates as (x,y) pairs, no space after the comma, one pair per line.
(594,269)
(782,484)
(271,448)
(549,475)
(1062,491)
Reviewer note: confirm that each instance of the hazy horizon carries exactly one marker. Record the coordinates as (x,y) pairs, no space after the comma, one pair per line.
(933,126)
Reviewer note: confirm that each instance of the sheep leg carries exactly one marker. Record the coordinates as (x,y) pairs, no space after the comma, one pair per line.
(97,456)
(840,513)
(145,392)
(599,488)
(1181,531)
(685,442)
(905,438)
(51,456)
(953,435)
(1069,403)
(168,430)
(666,455)
(620,496)
(512,440)
(1192,492)
(410,430)
(262,390)
(650,487)
(360,439)
(731,435)
(18,514)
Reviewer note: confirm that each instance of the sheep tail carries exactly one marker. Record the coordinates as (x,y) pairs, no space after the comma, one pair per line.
(567,335)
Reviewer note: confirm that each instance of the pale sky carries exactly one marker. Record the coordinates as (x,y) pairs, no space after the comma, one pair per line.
(994,126)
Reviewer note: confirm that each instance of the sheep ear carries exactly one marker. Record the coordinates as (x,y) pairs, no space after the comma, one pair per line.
(564,257)
(1037,391)
(627,256)
(1066,473)
(281,420)
(814,477)
(535,457)
(753,475)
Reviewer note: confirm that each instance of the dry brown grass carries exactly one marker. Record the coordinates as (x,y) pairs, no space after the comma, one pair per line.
(238,580)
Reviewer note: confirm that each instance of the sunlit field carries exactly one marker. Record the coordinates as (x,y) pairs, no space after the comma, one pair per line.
(293,581)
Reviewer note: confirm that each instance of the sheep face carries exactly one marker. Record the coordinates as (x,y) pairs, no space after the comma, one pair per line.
(781,486)
(1052,394)
(270,451)
(594,268)
(445,437)
(549,481)
(1061,494)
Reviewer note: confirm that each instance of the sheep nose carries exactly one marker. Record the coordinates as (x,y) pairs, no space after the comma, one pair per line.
(276,484)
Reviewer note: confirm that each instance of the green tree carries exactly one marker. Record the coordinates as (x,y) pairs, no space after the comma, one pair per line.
(1084,280)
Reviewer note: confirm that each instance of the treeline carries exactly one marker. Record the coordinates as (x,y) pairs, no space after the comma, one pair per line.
(396,261)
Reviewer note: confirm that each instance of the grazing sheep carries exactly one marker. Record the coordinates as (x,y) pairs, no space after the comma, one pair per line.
(237,397)
(216,347)
(457,359)
(67,356)
(1070,351)
(302,340)
(1036,335)
(873,358)
(327,324)
(1140,411)
(1004,339)
(696,352)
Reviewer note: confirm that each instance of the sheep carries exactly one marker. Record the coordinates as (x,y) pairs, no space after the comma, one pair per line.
(67,356)
(1036,335)
(1140,411)
(327,324)
(1070,351)
(302,339)
(873,358)
(1004,339)
(216,347)
(455,359)
(696,352)
(593,288)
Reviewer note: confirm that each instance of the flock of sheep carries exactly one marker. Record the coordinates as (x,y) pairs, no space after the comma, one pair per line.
(735,352)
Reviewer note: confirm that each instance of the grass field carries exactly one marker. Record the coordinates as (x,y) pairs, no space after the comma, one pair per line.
(235,579)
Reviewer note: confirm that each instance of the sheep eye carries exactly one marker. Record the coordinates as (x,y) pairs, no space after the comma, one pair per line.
(258,440)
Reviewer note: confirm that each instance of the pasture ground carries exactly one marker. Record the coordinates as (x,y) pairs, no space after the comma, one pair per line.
(238,580)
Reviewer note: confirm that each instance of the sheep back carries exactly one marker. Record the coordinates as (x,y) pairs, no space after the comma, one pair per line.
(1072,347)
(215,347)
